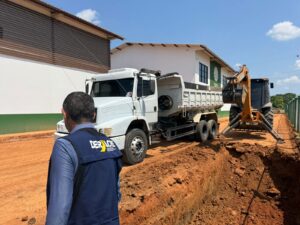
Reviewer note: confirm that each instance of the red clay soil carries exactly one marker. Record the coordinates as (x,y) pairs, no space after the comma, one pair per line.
(258,188)
(261,182)
(23,173)
(167,191)
(240,179)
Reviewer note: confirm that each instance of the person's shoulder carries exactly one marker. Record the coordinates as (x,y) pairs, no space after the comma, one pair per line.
(62,145)
(61,142)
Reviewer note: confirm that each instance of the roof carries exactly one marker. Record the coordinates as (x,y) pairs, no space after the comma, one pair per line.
(213,55)
(68,18)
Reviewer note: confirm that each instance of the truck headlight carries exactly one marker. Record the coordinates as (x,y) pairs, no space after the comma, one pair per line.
(61,128)
(58,127)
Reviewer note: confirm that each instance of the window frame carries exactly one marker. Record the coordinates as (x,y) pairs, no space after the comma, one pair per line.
(203,73)
(141,93)
(115,81)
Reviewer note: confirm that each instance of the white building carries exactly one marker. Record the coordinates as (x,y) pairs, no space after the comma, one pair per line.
(45,53)
(196,63)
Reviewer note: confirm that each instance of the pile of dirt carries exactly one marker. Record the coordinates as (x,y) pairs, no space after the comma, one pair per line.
(169,191)
(260,186)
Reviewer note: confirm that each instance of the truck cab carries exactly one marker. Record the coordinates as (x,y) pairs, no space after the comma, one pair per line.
(126,104)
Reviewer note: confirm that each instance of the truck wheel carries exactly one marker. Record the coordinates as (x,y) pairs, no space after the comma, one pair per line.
(202,130)
(136,145)
(212,129)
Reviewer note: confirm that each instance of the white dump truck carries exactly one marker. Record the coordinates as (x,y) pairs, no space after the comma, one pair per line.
(134,106)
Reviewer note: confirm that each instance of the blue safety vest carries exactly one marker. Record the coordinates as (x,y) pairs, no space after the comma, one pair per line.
(95,194)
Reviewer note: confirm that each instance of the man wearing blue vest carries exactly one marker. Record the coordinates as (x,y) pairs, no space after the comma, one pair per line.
(83,177)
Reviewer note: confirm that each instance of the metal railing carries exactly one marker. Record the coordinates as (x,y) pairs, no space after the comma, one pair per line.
(292,109)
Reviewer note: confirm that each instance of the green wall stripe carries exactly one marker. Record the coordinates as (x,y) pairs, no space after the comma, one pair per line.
(16,123)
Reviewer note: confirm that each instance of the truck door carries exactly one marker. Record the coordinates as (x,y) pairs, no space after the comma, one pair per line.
(147,98)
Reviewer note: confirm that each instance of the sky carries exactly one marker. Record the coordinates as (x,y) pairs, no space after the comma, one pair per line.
(263,34)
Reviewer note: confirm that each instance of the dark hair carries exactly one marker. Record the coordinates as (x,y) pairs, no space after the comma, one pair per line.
(79,106)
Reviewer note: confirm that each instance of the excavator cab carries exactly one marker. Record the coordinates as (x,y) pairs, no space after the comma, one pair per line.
(260,95)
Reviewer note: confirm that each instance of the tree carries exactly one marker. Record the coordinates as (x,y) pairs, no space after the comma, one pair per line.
(277,101)
(280,100)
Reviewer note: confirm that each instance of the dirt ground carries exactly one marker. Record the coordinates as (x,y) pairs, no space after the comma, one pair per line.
(243,178)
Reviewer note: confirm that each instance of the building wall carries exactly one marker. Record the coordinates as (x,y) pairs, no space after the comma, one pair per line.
(29,87)
(31,35)
(183,60)
(165,59)
(226,73)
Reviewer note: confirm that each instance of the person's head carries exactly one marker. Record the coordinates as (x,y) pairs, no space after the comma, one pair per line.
(78,107)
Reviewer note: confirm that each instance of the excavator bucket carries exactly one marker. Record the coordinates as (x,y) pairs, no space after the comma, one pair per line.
(262,124)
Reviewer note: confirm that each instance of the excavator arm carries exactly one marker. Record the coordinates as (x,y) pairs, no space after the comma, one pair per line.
(238,91)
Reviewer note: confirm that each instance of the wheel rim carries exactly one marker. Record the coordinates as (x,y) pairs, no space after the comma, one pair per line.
(137,146)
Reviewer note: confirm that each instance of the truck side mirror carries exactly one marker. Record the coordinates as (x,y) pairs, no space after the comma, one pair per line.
(271,85)
(87,87)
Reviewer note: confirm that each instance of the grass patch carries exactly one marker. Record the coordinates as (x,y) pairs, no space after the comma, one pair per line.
(28,122)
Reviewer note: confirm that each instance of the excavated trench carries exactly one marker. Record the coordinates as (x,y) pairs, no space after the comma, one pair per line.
(234,184)
(285,173)
(260,185)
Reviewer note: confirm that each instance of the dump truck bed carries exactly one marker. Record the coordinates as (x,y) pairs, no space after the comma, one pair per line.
(187,99)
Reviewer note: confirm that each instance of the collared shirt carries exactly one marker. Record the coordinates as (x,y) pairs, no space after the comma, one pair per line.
(64,164)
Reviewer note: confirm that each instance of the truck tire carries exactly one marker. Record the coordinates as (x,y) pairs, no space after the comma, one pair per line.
(136,145)
(202,131)
(212,129)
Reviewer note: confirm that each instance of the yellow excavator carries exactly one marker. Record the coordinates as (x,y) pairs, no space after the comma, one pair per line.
(251,108)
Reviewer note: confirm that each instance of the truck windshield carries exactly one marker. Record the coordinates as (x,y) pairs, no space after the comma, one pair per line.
(113,88)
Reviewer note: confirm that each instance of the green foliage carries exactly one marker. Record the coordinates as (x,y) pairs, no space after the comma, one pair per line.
(280,100)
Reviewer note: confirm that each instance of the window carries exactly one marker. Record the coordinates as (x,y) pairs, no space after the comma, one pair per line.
(203,73)
(225,81)
(144,87)
(113,88)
